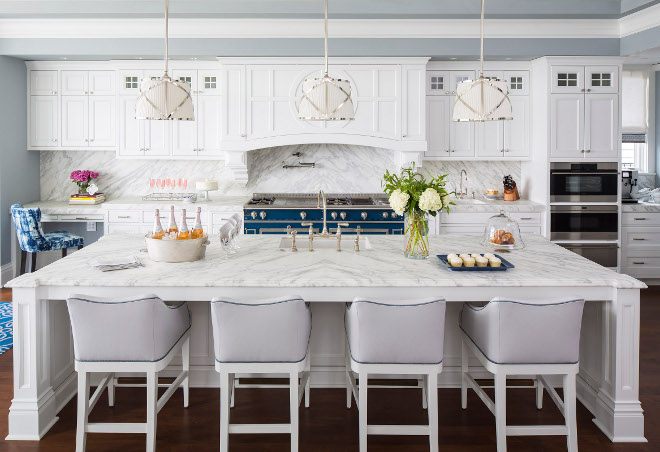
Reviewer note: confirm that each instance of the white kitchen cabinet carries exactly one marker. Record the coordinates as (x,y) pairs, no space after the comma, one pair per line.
(567,126)
(585,79)
(567,79)
(602,79)
(413,108)
(184,136)
(43,83)
(447,138)
(43,121)
(233,122)
(156,138)
(102,83)
(209,130)
(102,119)
(517,81)
(75,121)
(602,138)
(457,77)
(187,75)
(437,83)
(141,138)
(209,83)
(489,136)
(75,83)
(640,244)
(516,130)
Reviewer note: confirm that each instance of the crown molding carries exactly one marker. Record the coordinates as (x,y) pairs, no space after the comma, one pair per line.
(307,28)
(639,21)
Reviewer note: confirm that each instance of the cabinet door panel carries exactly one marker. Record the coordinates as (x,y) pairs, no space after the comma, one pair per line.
(518,82)
(437,126)
(43,83)
(461,135)
(184,135)
(602,138)
(602,79)
(74,83)
(233,117)
(413,108)
(157,137)
(209,134)
(209,82)
(489,136)
(516,131)
(43,121)
(102,121)
(102,83)
(567,79)
(458,76)
(187,75)
(131,130)
(75,120)
(437,83)
(567,125)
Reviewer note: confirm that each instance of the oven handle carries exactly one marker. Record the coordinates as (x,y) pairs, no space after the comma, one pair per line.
(582,173)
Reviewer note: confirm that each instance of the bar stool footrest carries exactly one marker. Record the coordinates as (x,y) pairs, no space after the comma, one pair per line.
(536,430)
(398,430)
(259,428)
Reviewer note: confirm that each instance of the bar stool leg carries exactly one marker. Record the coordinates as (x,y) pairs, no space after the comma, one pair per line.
(570,412)
(185,357)
(64,250)
(432,392)
(232,388)
(224,411)
(424,393)
(33,262)
(464,370)
(362,410)
(111,390)
(308,369)
(293,402)
(23,260)
(500,411)
(349,390)
(83,411)
(539,393)
(152,400)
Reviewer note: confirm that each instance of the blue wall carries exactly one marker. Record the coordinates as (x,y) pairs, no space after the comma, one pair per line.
(19,169)
(657,129)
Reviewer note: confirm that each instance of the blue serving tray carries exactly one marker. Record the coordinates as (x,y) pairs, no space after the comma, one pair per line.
(502,268)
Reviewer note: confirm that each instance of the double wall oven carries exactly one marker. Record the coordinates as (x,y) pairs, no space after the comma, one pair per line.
(584,213)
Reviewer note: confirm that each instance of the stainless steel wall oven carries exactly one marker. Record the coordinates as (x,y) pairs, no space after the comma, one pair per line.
(584,182)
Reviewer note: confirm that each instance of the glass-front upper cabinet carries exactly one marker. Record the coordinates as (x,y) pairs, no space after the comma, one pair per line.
(585,79)
(437,83)
(602,79)
(567,79)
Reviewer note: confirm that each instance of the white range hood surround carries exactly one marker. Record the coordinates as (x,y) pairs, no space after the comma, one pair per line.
(389,95)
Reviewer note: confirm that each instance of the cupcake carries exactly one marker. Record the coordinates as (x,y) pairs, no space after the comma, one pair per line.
(495,261)
(481,261)
(451,256)
(455,261)
(469,262)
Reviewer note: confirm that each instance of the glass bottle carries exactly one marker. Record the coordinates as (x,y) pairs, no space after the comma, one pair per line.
(157,232)
(198,232)
(171,226)
(184,233)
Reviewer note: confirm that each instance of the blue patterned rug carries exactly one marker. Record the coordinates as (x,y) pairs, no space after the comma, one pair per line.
(6,327)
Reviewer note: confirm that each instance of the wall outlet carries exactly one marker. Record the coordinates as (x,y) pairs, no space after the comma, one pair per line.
(91,226)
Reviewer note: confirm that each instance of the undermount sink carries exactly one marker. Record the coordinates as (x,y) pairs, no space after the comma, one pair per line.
(470,201)
(325,243)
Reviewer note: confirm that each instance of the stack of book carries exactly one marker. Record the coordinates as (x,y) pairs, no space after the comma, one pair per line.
(79,199)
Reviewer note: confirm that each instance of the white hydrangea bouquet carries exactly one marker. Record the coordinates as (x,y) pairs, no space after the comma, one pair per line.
(411,195)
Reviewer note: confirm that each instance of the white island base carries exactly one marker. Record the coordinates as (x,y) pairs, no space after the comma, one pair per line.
(608,382)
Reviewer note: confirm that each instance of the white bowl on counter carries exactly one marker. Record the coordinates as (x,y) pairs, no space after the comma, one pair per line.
(173,251)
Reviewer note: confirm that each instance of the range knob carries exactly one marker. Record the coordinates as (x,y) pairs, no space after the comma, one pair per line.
(385,215)
(334,215)
(394,214)
(254,215)
(262,214)
(342,215)
(364,215)
(303,215)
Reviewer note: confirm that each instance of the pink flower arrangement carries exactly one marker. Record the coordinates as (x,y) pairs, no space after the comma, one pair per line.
(83,175)
(82,178)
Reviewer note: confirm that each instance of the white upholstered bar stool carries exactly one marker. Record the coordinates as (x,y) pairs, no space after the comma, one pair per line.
(133,335)
(261,337)
(523,337)
(395,338)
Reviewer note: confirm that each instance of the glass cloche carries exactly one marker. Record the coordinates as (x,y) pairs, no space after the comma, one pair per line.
(502,232)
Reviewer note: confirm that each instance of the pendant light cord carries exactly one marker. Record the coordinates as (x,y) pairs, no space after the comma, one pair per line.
(481,69)
(326,37)
(166,33)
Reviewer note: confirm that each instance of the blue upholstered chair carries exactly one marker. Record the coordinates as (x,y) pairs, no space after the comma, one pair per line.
(32,238)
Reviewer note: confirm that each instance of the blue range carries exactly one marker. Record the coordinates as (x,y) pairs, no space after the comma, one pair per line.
(273,213)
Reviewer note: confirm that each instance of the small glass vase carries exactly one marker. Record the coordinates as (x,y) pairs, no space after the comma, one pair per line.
(416,236)
(82,188)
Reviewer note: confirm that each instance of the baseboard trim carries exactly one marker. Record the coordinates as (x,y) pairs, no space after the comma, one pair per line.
(6,273)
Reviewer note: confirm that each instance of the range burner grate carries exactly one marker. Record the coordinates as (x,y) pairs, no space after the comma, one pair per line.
(261,201)
(338,202)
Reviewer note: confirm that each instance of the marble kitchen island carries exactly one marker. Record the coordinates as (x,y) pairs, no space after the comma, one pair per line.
(44,377)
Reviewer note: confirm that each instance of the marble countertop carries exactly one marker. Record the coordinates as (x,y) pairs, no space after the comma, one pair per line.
(261,263)
(483,205)
(64,208)
(641,207)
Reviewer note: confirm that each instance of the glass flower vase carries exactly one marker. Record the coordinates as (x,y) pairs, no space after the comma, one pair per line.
(416,236)
(82,188)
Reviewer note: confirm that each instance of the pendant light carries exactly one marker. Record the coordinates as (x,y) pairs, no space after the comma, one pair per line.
(164,98)
(483,99)
(326,98)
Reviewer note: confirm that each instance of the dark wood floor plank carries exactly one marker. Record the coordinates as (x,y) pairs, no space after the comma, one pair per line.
(328,426)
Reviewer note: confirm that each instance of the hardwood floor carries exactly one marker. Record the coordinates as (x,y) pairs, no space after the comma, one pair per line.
(328,426)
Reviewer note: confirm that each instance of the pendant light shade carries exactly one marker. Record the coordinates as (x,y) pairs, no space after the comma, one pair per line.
(164,98)
(326,98)
(485,98)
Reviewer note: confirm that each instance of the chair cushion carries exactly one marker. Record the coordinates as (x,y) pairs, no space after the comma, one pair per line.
(511,331)
(139,329)
(60,239)
(267,331)
(406,332)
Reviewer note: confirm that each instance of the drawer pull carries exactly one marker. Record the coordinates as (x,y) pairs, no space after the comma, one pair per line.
(81,218)
(640,218)
(526,218)
(123,216)
(635,238)
(638,263)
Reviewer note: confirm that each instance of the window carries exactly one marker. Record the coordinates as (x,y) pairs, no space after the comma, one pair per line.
(209,82)
(131,82)
(516,83)
(634,120)
(567,79)
(437,82)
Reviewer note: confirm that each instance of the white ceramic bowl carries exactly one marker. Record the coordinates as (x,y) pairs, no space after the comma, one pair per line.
(656,197)
(177,250)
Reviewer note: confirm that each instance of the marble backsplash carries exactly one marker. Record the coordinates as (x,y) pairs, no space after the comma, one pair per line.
(339,169)
(646,181)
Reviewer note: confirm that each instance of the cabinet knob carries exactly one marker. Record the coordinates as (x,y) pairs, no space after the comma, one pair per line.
(243,135)
(588,90)
(54,140)
(405,135)
(446,92)
(447,151)
(91,140)
(582,89)
(53,92)
(588,150)
(582,151)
